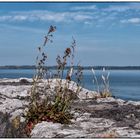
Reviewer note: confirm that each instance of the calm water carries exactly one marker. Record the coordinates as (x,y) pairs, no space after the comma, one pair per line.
(124,84)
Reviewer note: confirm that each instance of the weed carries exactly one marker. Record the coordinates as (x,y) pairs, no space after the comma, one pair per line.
(105,92)
(56,109)
(79,77)
(40,69)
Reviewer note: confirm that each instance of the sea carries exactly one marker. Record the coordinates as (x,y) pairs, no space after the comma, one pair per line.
(124,84)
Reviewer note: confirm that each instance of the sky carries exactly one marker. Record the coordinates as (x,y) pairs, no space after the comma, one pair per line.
(106,33)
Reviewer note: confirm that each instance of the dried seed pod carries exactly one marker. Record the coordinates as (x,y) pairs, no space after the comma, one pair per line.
(68,51)
(43,54)
(39,48)
(52,29)
(43,59)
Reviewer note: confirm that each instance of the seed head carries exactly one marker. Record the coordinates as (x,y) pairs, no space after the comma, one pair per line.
(67,51)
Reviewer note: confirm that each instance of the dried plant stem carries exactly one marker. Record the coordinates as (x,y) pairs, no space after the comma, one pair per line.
(96,81)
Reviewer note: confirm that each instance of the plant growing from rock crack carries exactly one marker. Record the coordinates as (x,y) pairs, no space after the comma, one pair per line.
(57,108)
(105,92)
(64,94)
(36,109)
(40,66)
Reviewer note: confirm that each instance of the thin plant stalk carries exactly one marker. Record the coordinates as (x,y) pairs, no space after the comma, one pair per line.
(106,82)
(96,81)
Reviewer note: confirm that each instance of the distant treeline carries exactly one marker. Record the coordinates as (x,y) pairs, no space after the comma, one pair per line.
(75,67)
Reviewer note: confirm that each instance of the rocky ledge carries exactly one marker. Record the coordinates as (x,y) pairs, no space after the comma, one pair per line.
(101,117)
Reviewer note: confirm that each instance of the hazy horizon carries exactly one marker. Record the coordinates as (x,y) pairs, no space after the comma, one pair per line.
(106,33)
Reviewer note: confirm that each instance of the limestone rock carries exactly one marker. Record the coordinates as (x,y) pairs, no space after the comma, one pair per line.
(7,128)
(101,117)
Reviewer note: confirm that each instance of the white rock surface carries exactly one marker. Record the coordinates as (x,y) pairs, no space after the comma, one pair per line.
(46,129)
(14,80)
(133,102)
(83,94)
(108,99)
(14,91)
(84,124)
(81,128)
(125,132)
(10,105)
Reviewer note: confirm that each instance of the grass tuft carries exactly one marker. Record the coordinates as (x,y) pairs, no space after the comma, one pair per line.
(105,92)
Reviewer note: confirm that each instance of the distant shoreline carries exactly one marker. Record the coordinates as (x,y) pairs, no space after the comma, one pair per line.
(75,67)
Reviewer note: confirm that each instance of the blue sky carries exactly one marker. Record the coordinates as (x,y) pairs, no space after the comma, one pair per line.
(105,33)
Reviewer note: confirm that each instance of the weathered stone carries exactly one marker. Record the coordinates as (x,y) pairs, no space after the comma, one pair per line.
(46,129)
(8,130)
(104,117)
